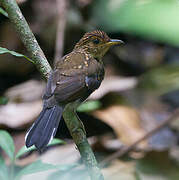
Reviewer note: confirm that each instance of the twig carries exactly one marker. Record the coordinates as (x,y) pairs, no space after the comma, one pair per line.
(73,123)
(61,23)
(147,135)
(26,35)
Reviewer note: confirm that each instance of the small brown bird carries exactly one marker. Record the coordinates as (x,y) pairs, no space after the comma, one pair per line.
(73,79)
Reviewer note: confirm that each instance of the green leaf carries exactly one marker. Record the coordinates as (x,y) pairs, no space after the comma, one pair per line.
(75,174)
(24,149)
(39,166)
(7,144)
(56,141)
(4,50)
(3,12)
(3,170)
(3,100)
(89,106)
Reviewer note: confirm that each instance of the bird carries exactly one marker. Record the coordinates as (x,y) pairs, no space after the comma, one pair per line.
(74,77)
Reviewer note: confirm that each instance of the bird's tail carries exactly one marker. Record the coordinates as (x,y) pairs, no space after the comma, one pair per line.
(44,128)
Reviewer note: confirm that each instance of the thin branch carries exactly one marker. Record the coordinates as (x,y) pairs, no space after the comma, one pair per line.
(77,131)
(61,23)
(27,37)
(147,135)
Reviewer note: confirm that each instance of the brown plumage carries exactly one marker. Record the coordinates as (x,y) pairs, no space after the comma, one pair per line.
(73,79)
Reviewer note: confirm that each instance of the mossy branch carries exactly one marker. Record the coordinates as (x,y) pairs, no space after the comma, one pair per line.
(27,37)
(39,59)
(79,136)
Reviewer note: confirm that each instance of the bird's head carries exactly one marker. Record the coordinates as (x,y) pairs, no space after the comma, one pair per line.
(96,43)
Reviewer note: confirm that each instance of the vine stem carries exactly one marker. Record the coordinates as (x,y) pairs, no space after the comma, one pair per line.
(78,134)
(72,121)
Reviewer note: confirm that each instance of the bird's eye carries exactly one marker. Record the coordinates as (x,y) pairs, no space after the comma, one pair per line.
(96,41)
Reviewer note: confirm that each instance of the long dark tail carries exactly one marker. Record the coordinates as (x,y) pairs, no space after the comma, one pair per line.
(44,128)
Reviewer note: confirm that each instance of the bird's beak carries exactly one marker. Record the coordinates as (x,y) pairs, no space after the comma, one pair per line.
(115,42)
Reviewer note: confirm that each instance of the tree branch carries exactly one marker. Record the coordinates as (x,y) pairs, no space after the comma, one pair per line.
(27,37)
(73,123)
(61,23)
(147,135)
(79,136)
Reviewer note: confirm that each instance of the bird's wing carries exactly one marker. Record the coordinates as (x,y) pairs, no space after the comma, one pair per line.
(66,73)
(72,80)
(70,88)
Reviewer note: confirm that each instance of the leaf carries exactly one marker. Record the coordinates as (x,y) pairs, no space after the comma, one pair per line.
(39,166)
(24,149)
(75,174)
(7,144)
(3,100)
(4,50)
(3,170)
(89,106)
(126,123)
(3,12)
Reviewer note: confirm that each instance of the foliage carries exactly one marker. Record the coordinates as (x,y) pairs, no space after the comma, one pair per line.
(7,144)
(4,50)
(89,106)
(7,172)
(3,12)
(3,100)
